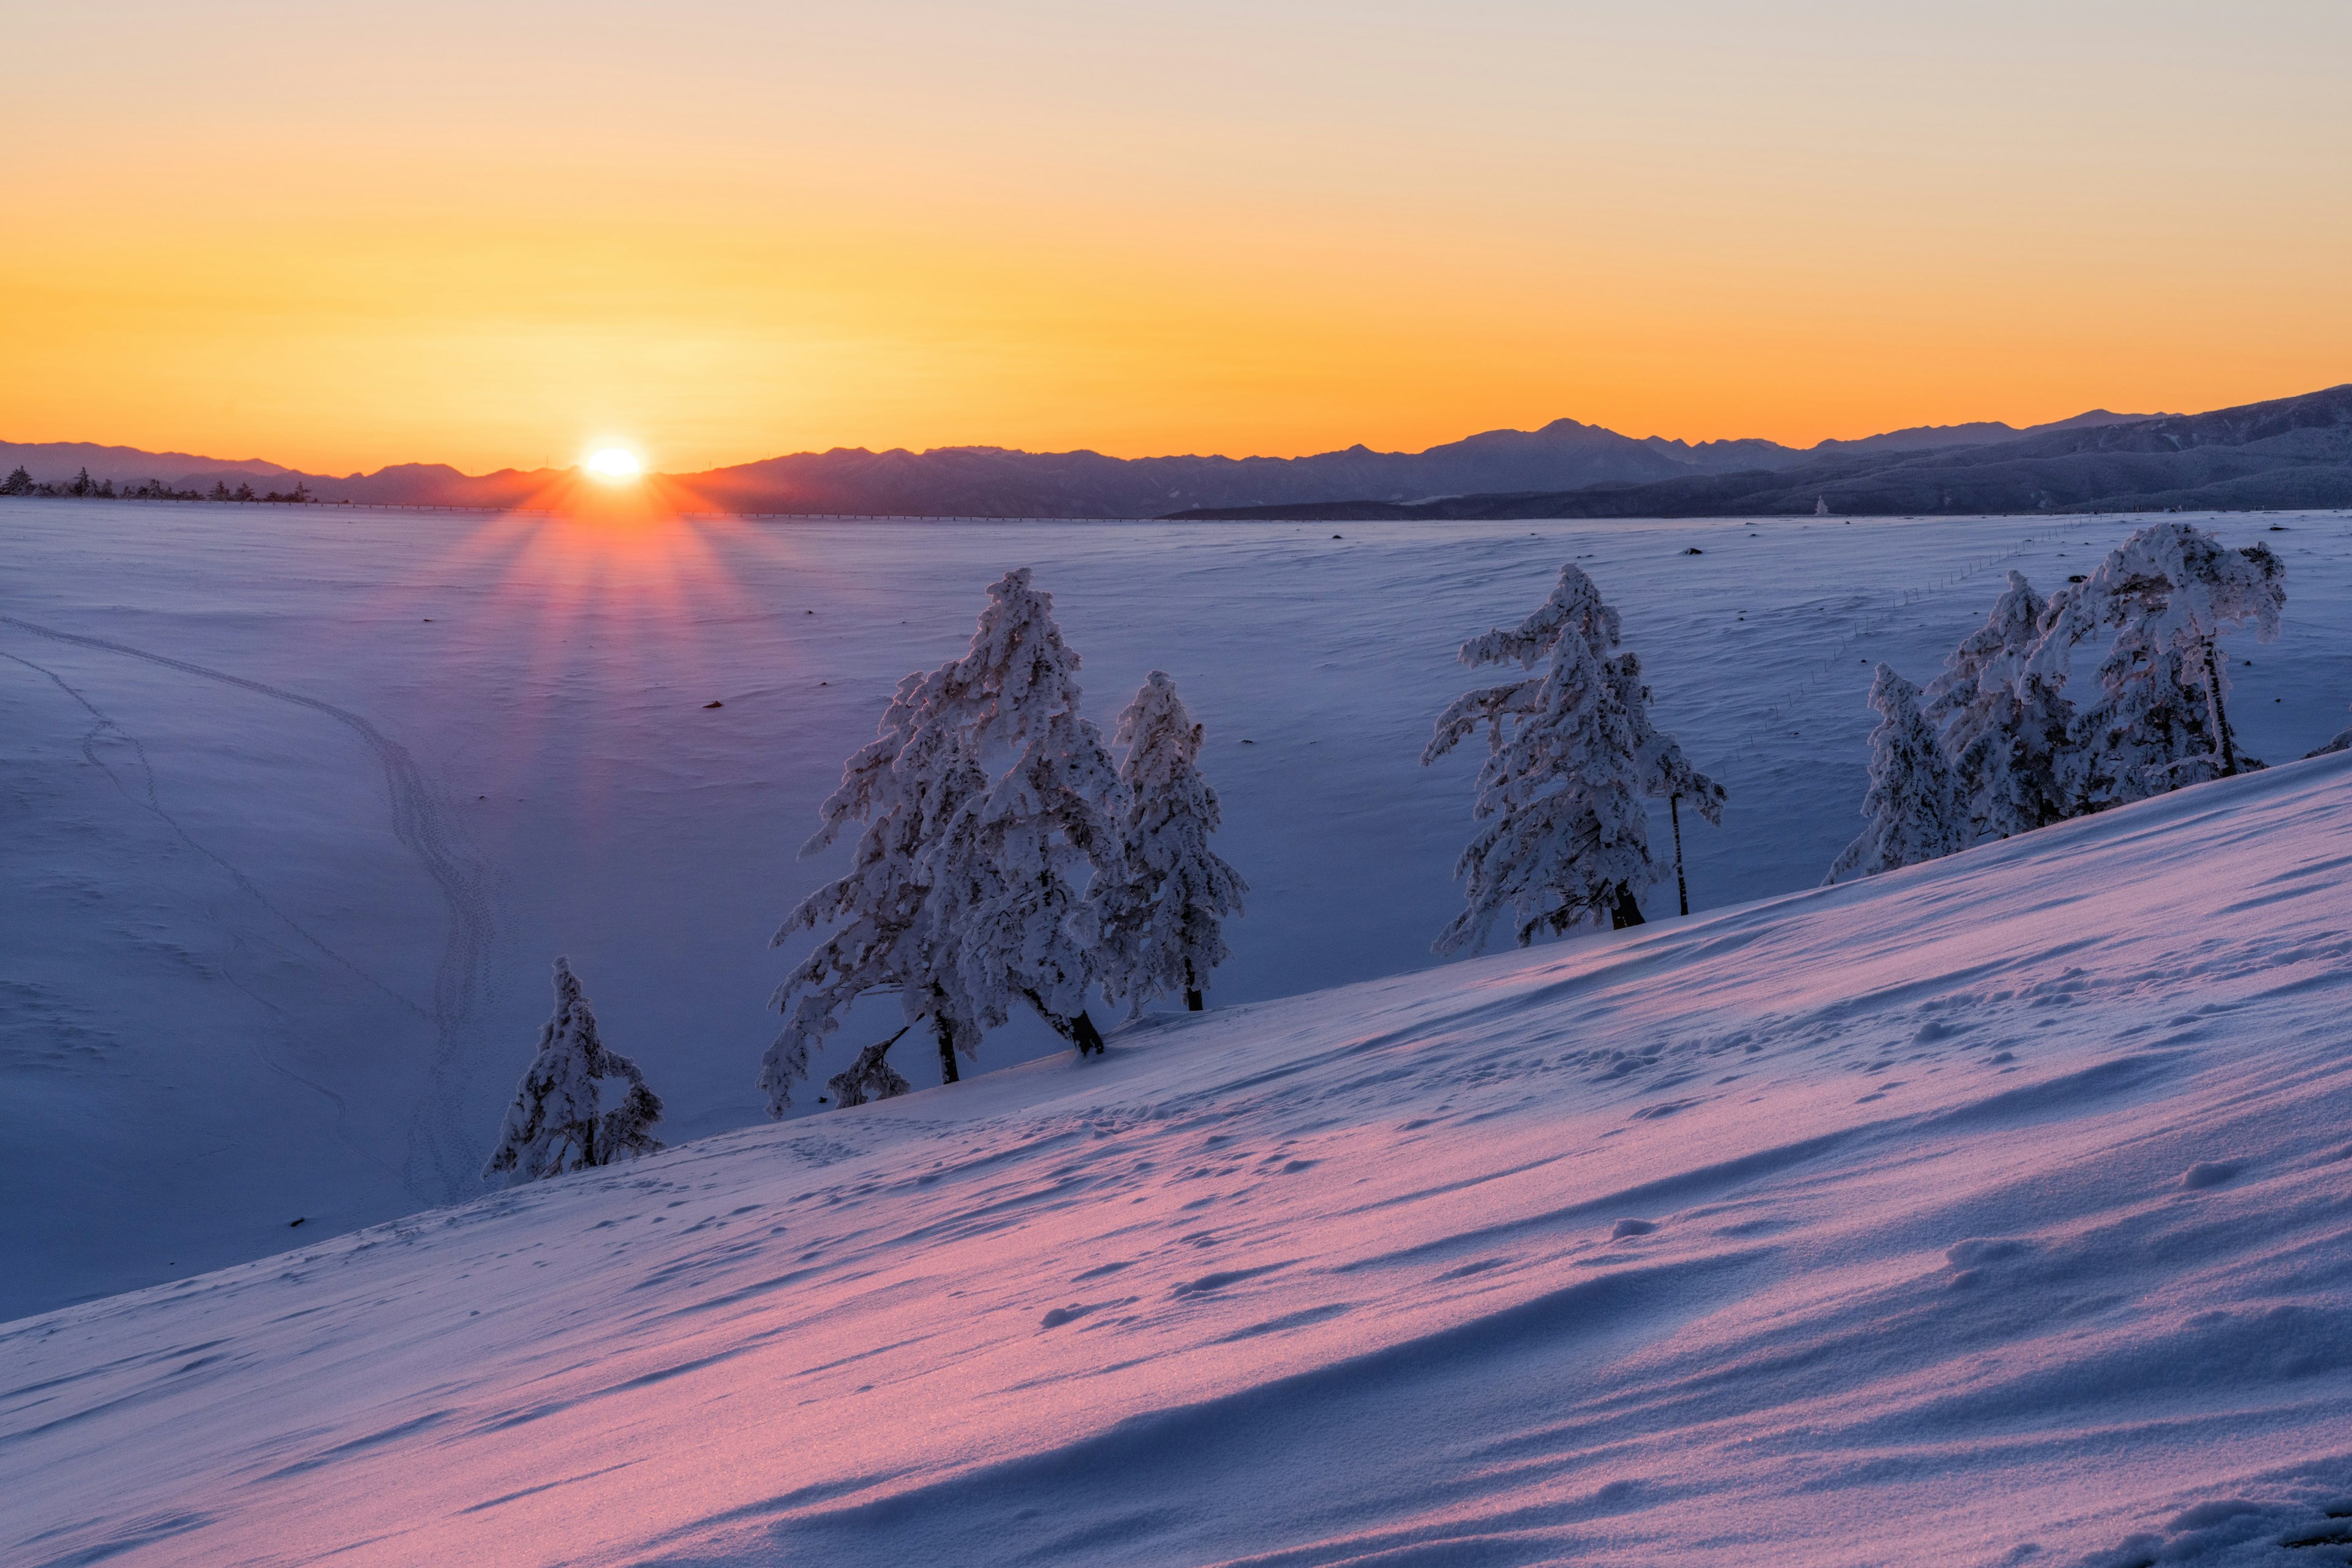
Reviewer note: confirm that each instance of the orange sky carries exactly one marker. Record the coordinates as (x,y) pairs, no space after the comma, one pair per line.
(490,233)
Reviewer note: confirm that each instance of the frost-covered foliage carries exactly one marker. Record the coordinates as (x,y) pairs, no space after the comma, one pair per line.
(1008,874)
(985,799)
(1914,802)
(2169,592)
(1566,838)
(2005,733)
(1666,772)
(906,785)
(558,1121)
(1161,910)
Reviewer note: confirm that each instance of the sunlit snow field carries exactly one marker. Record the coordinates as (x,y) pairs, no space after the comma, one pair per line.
(298,805)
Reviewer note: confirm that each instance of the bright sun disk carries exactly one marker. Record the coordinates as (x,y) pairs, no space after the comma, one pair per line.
(614,464)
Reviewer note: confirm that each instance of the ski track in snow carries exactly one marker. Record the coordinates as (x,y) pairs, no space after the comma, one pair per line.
(440,1141)
(1994,1211)
(150,801)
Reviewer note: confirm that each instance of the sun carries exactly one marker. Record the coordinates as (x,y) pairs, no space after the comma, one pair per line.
(613,465)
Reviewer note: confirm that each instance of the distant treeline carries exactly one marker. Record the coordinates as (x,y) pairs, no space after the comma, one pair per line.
(22,483)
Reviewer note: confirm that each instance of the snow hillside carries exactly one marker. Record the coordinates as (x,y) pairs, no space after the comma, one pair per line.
(297,804)
(1995,1211)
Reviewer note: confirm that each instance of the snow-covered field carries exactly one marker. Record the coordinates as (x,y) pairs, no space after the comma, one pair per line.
(298,804)
(1991,1212)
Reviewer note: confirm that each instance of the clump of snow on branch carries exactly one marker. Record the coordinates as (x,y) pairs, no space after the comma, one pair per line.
(2169,592)
(2006,732)
(1566,836)
(1161,910)
(558,1121)
(1914,802)
(870,1077)
(985,799)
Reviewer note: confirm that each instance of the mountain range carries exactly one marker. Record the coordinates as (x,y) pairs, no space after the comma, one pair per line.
(2290,452)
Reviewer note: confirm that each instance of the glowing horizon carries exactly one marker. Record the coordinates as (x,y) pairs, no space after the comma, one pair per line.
(445,234)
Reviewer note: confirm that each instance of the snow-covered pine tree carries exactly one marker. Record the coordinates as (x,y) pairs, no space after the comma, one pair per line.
(1666,773)
(2004,733)
(2159,721)
(1009,873)
(983,795)
(558,1121)
(1914,802)
(907,785)
(1567,839)
(1159,910)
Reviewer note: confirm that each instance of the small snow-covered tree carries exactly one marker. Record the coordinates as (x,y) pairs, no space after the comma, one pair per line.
(2158,721)
(1160,906)
(1666,773)
(559,1120)
(1914,802)
(983,795)
(1566,838)
(2005,733)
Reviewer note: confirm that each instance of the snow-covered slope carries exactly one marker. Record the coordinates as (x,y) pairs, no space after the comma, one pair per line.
(298,804)
(1995,1211)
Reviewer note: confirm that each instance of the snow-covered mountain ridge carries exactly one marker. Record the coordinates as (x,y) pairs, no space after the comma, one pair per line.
(1992,1211)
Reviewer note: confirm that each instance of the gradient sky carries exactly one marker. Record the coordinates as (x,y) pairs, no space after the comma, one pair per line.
(488,233)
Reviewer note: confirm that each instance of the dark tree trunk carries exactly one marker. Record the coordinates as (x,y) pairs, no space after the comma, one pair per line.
(2222,741)
(1675,811)
(947,1049)
(1079,1031)
(1627,912)
(1191,988)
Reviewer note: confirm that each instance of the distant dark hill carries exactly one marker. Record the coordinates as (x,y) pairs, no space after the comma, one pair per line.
(52,460)
(2291,452)
(992,481)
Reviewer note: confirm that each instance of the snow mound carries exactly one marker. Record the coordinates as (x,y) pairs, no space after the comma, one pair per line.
(1991,1211)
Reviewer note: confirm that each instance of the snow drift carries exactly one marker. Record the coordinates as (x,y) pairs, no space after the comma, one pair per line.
(1991,1211)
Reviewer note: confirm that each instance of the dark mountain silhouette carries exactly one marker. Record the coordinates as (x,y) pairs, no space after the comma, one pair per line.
(2290,452)
(992,481)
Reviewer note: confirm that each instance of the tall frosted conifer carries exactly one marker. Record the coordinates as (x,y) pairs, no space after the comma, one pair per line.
(559,1121)
(1161,911)
(984,796)
(1914,802)
(1565,837)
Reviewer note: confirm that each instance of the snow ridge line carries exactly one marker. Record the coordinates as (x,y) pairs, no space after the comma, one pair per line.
(442,1158)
